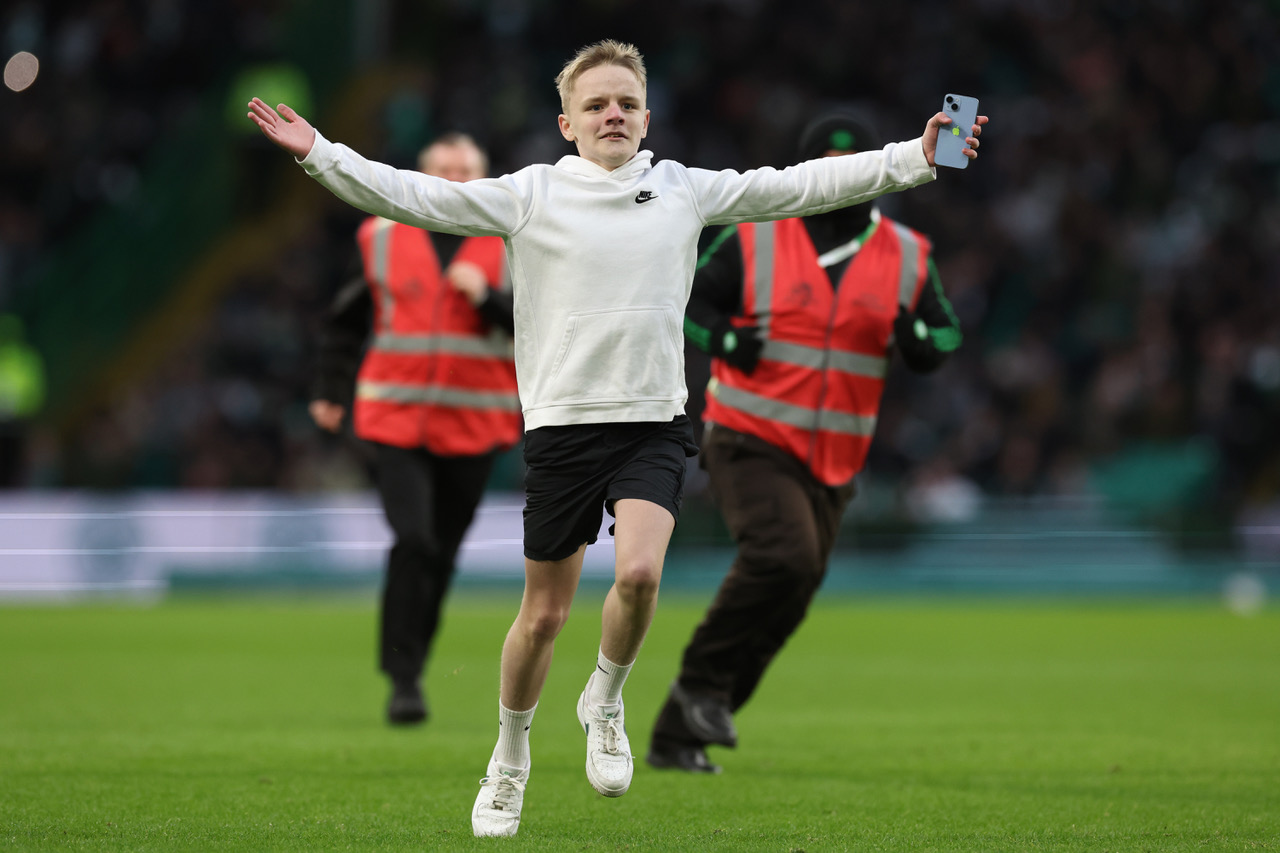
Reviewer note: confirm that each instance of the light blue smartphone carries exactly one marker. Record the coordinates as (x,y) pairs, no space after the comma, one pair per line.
(963,112)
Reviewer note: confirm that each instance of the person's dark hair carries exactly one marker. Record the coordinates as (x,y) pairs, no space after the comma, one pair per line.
(838,130)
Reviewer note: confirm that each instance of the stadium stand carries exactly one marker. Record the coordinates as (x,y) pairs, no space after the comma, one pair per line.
(1110,257)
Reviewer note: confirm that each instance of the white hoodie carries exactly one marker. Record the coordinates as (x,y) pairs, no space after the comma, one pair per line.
(602,262)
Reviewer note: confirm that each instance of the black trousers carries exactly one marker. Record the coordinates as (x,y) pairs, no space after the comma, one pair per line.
(429,502)
(784,522)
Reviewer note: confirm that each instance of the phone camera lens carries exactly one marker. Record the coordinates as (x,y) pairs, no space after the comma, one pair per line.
(951,107)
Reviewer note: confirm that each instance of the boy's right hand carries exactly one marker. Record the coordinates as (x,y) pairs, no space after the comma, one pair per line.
(286,128)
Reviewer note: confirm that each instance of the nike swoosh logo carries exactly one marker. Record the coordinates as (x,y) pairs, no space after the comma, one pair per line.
(645,195)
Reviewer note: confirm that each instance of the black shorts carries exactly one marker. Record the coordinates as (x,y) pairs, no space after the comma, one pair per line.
(574,473)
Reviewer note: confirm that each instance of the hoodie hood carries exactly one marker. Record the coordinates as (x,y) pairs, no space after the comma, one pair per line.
(579,166)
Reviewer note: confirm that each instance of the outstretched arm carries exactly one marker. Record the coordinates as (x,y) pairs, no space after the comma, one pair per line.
(287,129)
(495,206)
(930,138)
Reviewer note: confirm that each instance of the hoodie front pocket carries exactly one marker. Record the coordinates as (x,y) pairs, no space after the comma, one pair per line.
(618,354)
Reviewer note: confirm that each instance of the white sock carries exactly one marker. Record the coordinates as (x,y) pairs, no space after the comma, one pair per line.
(605,685)
(513,737)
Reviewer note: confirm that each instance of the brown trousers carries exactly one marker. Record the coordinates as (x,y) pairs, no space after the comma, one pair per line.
(784,522)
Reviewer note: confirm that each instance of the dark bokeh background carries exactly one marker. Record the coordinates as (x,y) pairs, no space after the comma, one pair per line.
(1112,254)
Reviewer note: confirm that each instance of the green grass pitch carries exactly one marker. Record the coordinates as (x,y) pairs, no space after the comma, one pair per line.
(887,724)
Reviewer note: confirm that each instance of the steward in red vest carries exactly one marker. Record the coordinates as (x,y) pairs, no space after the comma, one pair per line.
(437,374)
(429,324)
(800,317)
(815,391)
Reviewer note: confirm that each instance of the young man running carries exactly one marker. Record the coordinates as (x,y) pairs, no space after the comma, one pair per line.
(602,248)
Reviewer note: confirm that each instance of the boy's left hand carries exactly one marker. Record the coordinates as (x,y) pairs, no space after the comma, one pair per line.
(936,124)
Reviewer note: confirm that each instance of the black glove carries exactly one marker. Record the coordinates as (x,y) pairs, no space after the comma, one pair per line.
(914,341)
(738,345)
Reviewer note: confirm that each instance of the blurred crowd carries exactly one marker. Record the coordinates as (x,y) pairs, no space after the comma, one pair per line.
(1111,255)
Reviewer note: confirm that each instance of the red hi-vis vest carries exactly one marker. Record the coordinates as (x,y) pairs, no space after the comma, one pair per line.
(815,392)
(434,376)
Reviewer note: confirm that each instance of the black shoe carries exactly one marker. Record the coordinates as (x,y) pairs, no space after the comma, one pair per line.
(691,759)
(407,706)
(707,718)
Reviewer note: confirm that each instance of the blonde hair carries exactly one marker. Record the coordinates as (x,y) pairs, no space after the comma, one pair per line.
(606,52)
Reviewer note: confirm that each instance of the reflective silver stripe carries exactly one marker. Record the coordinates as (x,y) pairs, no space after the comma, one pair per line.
(790,414)
(797,354)
(497,344)
(381,262)
(763,308)
(871,366)
(455,397)
(863,426)
(909,274)
(814,358)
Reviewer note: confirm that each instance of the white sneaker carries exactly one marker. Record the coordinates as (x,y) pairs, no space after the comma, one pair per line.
(497,808)
(608,750)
